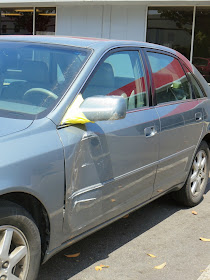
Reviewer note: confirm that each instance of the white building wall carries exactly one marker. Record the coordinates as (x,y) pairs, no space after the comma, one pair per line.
(79,21)
(127,22)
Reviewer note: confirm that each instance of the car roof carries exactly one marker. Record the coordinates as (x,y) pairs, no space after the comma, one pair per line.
(99,44)
(86,42)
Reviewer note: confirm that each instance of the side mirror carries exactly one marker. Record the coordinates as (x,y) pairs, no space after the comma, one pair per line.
(97,108)
(104,108)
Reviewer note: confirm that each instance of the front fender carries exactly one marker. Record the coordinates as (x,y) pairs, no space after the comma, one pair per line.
(32,161)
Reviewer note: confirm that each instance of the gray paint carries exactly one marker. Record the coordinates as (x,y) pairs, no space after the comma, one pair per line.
(32,163)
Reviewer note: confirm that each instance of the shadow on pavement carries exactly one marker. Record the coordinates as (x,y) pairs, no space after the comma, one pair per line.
(99,245)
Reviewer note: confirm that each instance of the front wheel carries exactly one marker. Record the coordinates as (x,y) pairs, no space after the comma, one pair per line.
(20,246)
(192,192)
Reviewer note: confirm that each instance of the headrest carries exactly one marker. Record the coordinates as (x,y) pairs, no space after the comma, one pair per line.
(35,71)
(104,77)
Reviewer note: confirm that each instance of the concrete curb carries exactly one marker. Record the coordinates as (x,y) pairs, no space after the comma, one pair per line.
(206,274)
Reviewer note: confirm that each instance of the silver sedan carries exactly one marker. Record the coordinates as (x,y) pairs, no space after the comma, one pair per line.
(91,130)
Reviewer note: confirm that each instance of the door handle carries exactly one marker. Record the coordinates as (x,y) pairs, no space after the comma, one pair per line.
(198,116)
(150,131)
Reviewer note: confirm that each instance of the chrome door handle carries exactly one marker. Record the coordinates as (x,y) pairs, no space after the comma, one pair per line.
(150,131)
(198,116)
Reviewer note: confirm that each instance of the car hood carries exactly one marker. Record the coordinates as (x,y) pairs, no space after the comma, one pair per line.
(9,126)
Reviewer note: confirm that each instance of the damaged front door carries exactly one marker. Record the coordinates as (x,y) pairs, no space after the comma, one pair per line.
(111,165)
(84,164)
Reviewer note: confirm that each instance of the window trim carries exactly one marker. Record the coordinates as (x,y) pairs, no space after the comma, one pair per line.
(116,50)
(197,81)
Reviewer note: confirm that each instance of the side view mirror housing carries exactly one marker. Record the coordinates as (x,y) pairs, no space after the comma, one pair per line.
(96,108)
(104,108)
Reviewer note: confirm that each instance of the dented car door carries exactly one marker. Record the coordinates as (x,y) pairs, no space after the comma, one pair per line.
(84,166)
(111,165)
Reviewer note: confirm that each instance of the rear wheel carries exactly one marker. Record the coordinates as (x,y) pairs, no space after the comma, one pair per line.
(20,245)
(192,192)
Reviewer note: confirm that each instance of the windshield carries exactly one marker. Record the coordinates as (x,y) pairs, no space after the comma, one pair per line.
(33,77)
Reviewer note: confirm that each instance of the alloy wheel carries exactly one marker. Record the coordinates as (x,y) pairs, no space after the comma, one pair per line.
(199,172)
(14,254)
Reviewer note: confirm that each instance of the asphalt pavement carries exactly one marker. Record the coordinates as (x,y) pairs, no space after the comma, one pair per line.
(162,228)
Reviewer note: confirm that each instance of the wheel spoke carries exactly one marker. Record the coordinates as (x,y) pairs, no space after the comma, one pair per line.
(203,175)
(198,186)
(193,177)
(203,163)
(194,187)
(199,157)
(17,255)
(195,166)
(5,243)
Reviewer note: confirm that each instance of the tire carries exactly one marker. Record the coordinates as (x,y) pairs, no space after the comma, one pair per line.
(192,192)
(20,244)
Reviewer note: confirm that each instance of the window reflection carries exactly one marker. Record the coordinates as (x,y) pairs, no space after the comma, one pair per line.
(201,52)
(171,27)
(120,74)
(169,78)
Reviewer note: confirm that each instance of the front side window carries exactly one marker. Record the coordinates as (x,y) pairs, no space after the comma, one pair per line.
(33,77)
(121,73)
(171,83)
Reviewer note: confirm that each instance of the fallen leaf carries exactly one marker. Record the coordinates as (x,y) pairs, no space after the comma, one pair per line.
(113,200)
(161,266)
(204,239)
(151,255)
(160,190)
(126,216)
(194,213)
(97,268)
(104,266)
(73,256)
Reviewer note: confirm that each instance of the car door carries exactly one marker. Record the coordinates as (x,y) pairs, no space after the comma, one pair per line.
(177,110)
(112,167)
(194,116)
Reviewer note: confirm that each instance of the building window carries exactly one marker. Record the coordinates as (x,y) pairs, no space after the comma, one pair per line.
(19,21)
(16,21)
(201,48)
(171,27)
(45,21)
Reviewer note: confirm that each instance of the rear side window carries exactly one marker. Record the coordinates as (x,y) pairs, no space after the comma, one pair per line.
(196,88)
(120,73)
(171,83)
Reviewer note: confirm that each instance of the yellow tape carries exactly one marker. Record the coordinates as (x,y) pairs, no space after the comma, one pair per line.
(74,115)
